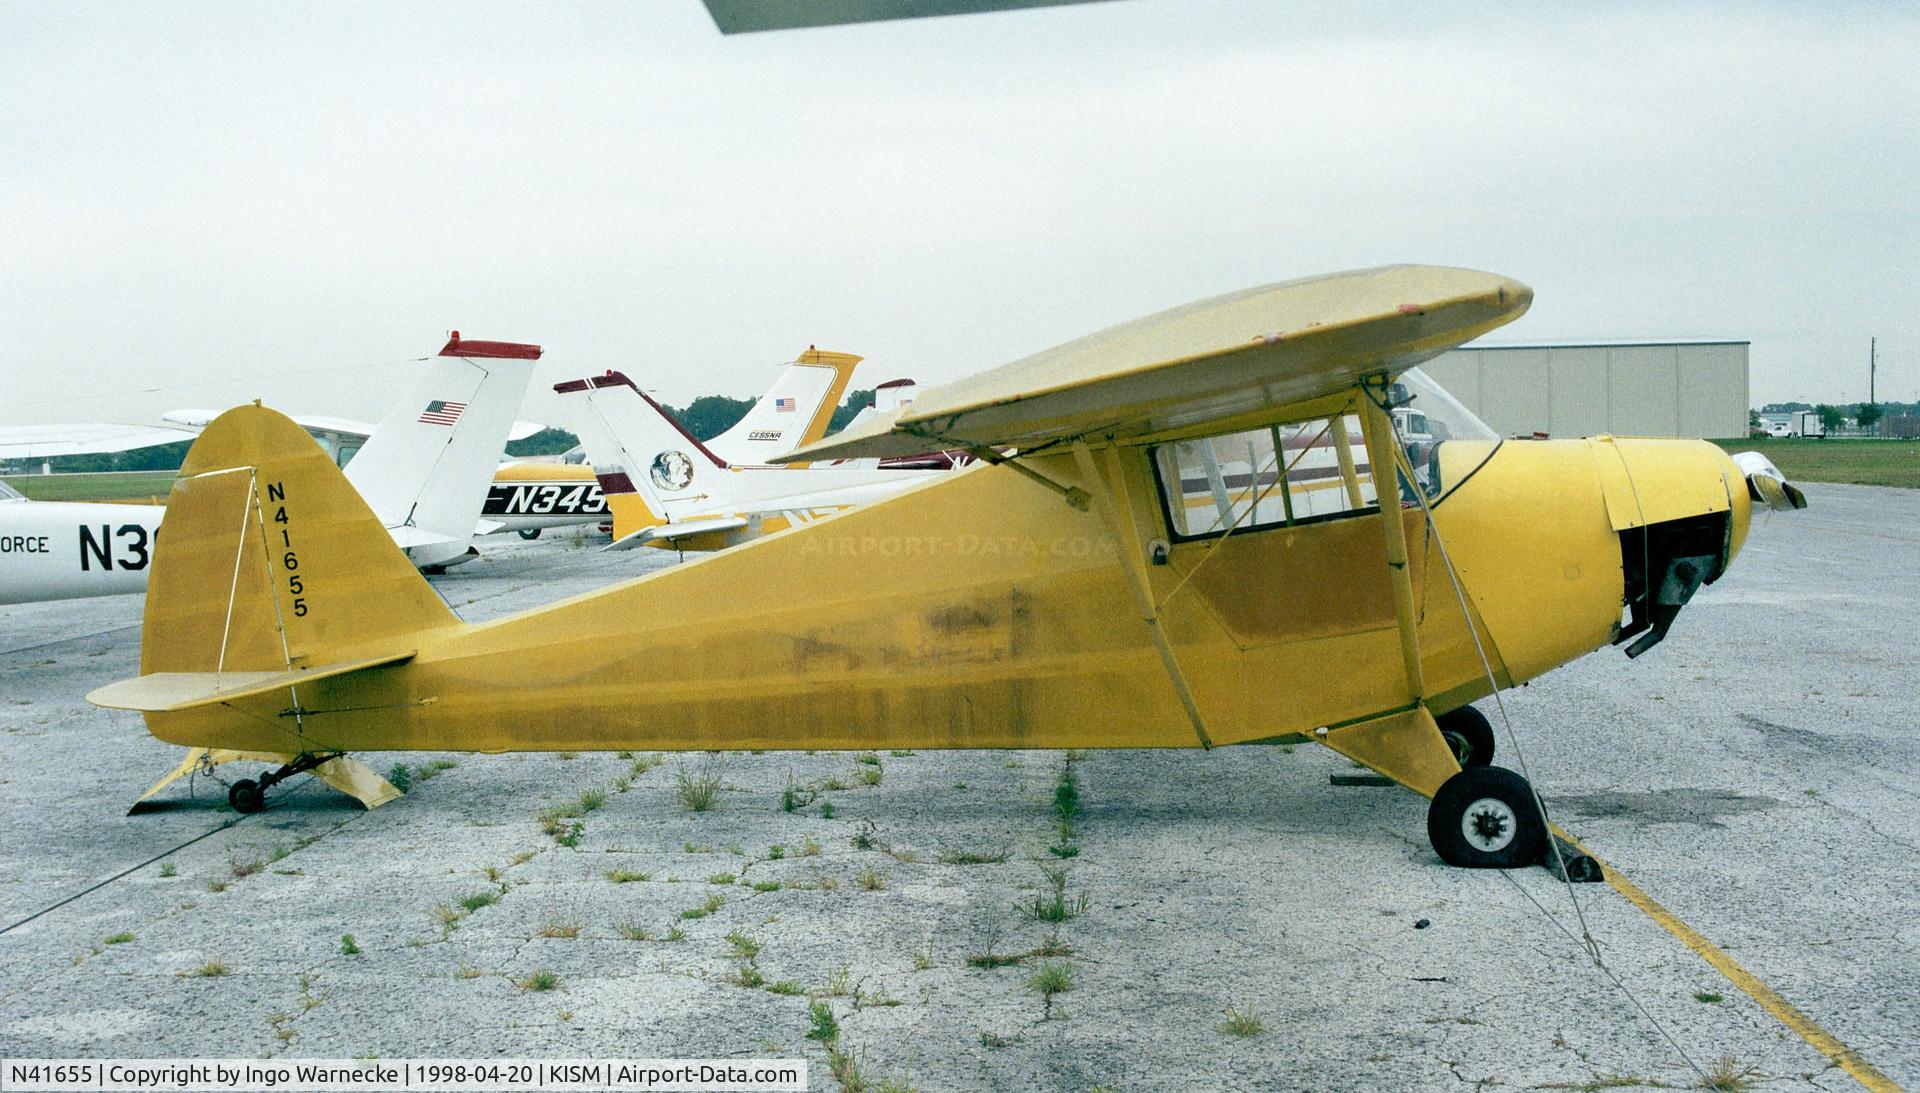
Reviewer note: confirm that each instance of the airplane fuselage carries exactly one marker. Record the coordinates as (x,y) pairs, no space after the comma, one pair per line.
(978,610)
(57,550)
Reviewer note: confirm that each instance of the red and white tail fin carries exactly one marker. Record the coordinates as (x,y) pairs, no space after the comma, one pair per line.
(426,468)
(637,447)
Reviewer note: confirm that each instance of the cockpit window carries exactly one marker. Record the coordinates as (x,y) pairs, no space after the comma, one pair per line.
(1310,471)
(1276,476)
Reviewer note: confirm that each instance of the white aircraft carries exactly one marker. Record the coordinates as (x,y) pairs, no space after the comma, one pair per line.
(426,467)
(529,497)
(58,550)
(424,472)
(667,487)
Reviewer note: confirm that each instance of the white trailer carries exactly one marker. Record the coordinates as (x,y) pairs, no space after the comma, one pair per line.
(1807,423)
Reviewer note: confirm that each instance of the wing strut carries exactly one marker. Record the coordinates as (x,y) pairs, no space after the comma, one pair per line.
(1403,744)
(1072,495)
(1118,512)
(1378,428)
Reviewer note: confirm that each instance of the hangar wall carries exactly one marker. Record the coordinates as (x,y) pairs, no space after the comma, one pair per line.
(1694,389)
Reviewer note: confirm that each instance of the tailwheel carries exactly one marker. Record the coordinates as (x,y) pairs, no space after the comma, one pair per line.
(246,796)
(1469,736)
(1486,818)
(529,533)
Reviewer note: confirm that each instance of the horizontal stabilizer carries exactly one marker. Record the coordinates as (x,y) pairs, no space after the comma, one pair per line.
(682,530)
(1246,352)
(407,536)
(167,692)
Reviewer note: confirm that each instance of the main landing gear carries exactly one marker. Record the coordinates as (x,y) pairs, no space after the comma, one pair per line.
(248,795)
(1468,736)
(1486,818)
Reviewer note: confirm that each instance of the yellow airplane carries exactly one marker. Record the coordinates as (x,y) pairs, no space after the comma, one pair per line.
(1185,550)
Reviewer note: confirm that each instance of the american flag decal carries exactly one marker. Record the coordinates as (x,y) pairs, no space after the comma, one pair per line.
(783,406)
(442,413)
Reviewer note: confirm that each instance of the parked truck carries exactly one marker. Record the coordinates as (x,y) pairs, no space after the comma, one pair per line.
(1806,423)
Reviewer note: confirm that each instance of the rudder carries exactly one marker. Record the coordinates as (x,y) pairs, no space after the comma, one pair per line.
(270,560)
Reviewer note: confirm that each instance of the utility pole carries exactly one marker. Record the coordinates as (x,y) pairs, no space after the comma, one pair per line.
(1873,364)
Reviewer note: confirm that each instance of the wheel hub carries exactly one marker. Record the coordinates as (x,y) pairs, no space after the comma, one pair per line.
(1489,824)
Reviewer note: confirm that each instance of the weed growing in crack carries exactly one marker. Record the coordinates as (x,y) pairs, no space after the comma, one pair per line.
(1054,977)
(697,792)
(1242,1022)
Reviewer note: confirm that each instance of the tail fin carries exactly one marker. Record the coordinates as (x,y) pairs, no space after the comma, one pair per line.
(796,410)
(428,464)
(635,446)
(270,561)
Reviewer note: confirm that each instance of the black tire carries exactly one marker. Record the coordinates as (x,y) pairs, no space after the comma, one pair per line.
(530,533)
(246,796)
(1469,736)
(1486,818)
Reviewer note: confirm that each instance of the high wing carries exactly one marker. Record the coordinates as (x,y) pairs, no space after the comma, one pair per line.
(1218,358)
(48,441)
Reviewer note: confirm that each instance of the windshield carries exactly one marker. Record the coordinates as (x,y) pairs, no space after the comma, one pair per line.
(1444,441)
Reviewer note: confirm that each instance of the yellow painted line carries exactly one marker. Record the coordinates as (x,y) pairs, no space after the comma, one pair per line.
(1826,1043)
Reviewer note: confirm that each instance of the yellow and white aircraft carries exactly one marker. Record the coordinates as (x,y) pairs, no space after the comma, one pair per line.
(666,488)
(1173,556)
(529,497)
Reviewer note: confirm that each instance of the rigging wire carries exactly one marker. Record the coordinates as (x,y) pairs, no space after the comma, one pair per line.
(1586,940)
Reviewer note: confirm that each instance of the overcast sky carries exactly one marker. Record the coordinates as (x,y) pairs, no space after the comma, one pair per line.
(202,204)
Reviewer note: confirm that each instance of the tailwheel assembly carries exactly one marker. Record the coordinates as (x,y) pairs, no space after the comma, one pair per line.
(248,795)
(1486,818)
(1469,736)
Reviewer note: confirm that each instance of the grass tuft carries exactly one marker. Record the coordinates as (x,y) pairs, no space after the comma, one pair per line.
(348,946)
(541,980)
(1054,977)
(1729,1076)
(714,903)
(825,1027)
(697,792)
(627,876)
(1242,1023)
(1054,905)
